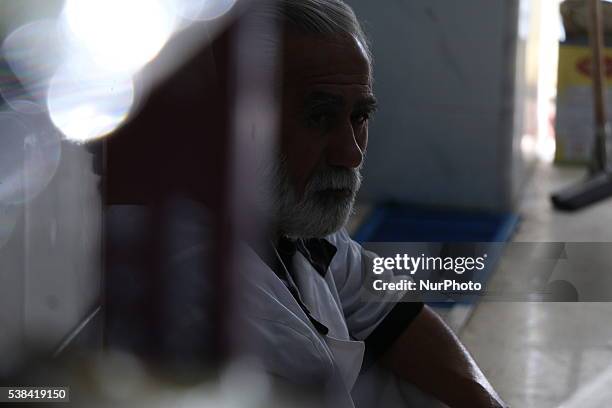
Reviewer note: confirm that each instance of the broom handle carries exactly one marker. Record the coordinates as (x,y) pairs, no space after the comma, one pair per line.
(599,84)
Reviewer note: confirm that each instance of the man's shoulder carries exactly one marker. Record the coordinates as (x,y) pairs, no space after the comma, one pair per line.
(349,254)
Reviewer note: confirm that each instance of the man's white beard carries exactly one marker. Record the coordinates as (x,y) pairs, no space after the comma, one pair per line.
(317,213)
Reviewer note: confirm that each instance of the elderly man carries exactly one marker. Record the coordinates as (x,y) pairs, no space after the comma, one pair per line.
(318,329)
(302,295)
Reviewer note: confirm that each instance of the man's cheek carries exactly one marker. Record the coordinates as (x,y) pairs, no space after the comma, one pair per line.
(299,179)
(307,164)
(362,139)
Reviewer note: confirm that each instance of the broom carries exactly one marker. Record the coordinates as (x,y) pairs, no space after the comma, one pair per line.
(598,185)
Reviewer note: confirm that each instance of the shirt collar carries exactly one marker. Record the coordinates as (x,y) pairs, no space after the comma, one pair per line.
(318,251)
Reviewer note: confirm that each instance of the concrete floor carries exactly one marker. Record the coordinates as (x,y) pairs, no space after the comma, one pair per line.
(540,354)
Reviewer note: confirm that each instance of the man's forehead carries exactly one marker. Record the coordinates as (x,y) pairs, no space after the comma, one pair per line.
(325,60)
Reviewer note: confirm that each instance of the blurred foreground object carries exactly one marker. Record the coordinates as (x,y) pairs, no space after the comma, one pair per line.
(119,379)
(192,96)
(81,61)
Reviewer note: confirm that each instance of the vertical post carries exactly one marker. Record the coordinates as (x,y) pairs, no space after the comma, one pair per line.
(597,46)
(250,62)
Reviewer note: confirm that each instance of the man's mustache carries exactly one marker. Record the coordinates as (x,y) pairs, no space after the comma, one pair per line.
(335,178)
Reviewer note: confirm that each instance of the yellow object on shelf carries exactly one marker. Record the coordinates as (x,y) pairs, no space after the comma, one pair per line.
(575,123)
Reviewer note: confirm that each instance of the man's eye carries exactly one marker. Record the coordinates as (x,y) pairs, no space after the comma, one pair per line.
(361,118)
(320,120)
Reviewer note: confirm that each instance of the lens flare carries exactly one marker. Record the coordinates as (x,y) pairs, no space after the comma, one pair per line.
(118,35)
(29,156)
(30,56)
(89,106)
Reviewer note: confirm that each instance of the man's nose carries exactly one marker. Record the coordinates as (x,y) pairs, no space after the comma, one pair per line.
(343,149)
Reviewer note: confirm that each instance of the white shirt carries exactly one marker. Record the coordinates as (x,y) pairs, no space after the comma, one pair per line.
(278,328)
(294,348)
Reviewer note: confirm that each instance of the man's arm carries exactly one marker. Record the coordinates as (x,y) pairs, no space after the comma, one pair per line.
(431,357)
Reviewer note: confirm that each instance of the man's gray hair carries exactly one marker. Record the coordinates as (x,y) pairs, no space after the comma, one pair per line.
(320,17)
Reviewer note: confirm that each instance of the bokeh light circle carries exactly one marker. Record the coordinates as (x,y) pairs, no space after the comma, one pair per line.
(118,35)
(30,56)
(201,10)
(88,106)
